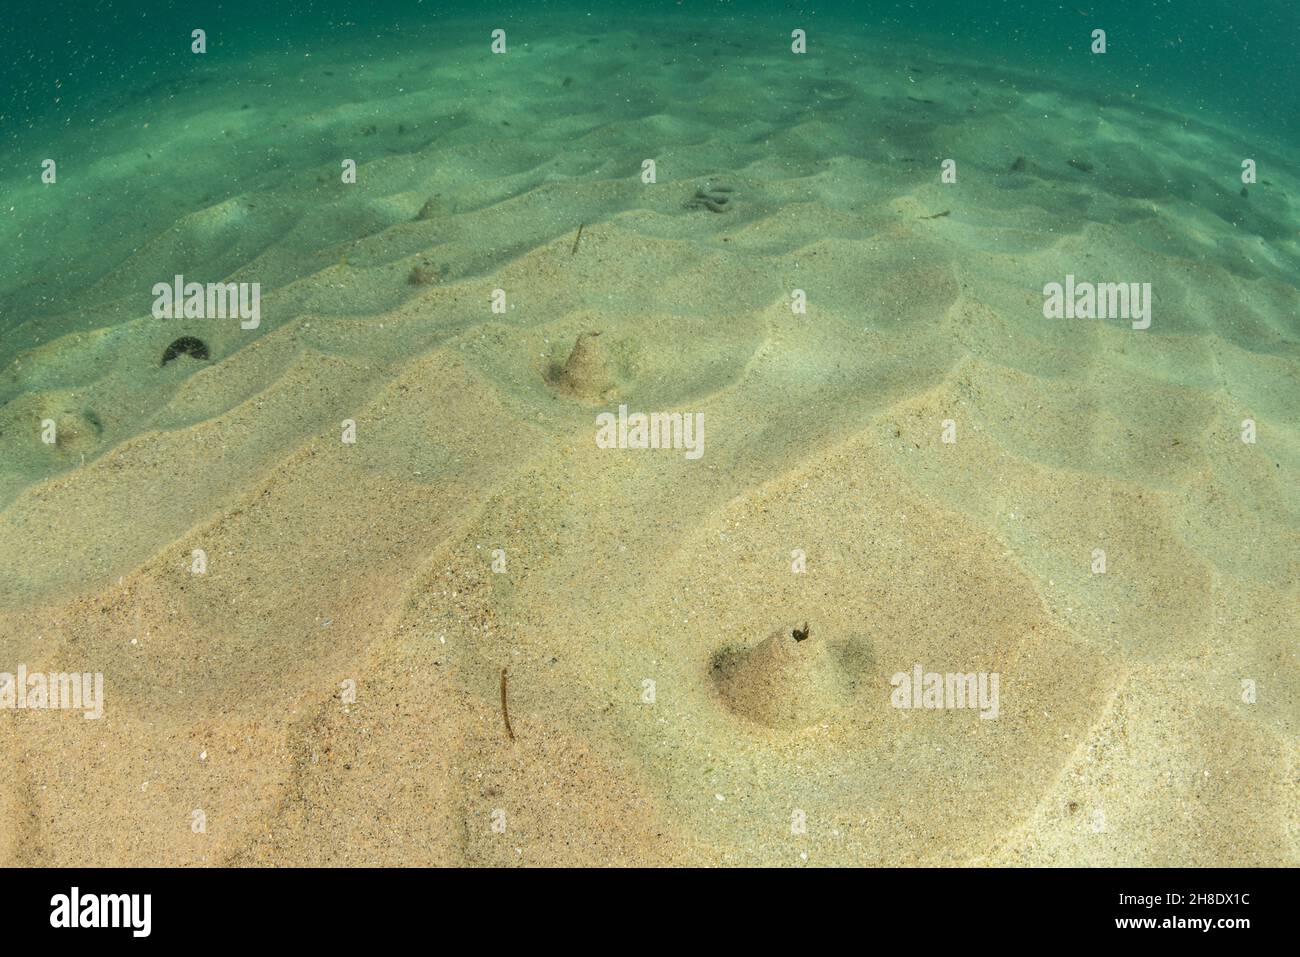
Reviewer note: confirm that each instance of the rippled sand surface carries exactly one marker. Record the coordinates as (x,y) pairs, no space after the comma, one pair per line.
(1123,736)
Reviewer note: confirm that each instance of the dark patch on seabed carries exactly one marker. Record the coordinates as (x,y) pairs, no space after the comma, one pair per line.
(186,346)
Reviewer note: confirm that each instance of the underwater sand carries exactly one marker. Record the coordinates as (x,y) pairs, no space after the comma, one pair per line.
(1122,737)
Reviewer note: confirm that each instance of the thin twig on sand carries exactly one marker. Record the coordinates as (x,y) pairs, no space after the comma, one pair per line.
(505,710)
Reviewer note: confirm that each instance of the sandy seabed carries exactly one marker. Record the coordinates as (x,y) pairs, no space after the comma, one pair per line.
(1125,732)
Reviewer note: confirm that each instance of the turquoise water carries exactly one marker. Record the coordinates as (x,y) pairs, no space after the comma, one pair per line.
(1209,57)
(74,72)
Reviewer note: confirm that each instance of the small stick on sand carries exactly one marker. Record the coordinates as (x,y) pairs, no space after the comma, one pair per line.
(505,711)
(577,239)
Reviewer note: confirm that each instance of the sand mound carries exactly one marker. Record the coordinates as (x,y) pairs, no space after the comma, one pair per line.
(587,372)
(788,680)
